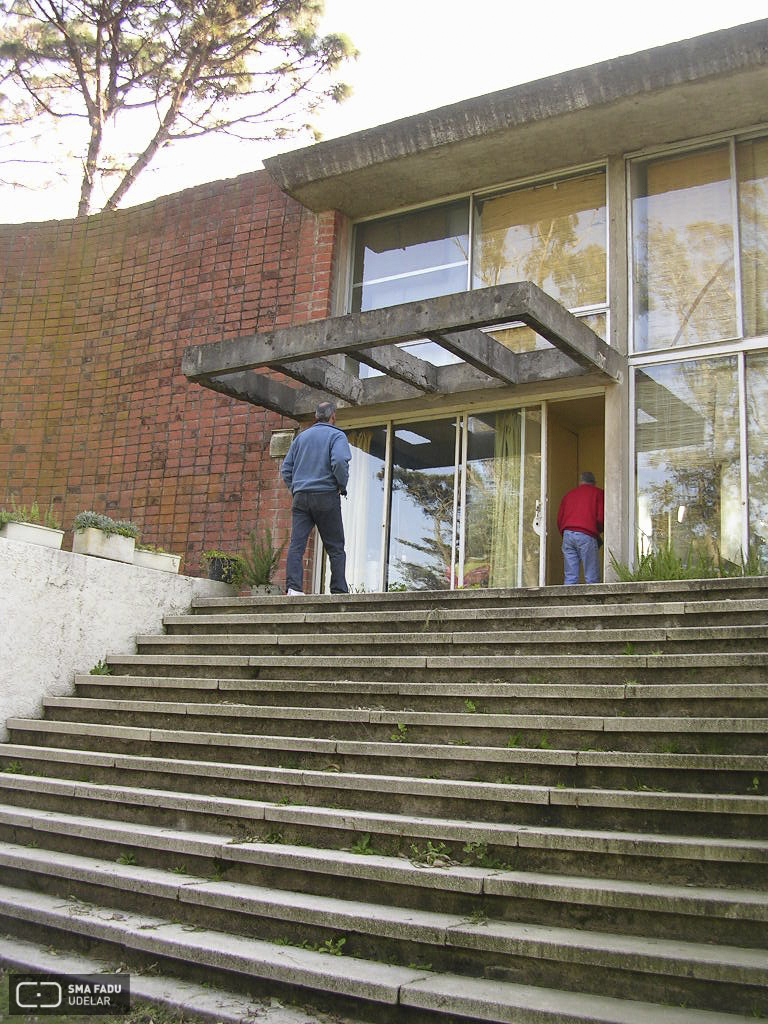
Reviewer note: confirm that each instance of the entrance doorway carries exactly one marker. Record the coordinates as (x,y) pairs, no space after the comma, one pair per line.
(467,500)
(575,443)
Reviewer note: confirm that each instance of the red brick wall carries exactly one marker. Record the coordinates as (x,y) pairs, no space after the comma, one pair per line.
(94,316)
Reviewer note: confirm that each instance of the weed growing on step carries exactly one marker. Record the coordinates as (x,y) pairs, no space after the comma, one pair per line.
(416,966)
(434,618)
(470,706)
(400,735)
(516,740)
(434,855)
(220,868)
(13,768)
(127,859)
(544,743)
(101,668)
(477,855)
(364,846)
(274,837)
(460,743)
(754,786)
(629,648)
(179,869)
(333,946)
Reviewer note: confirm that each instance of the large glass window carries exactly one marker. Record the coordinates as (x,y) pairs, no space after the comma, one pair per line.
(757,447)
(552,234)
(752,162)
(411,256)
(682,218)
(364,510)
(688,458)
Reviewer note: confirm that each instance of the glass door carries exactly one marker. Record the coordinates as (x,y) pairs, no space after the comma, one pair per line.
(501,504)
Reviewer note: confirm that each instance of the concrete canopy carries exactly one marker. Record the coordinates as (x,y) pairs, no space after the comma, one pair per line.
(242,367)
(713,82)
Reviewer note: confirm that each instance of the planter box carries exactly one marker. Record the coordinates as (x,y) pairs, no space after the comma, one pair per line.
(31,533)
(103,545)
(160,560)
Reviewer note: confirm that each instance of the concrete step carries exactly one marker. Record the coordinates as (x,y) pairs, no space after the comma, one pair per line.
(737,916)
(166,997)
(329,826)
(660,640)
(608,963)
(413,795)
(345,979)
(560,669)
(744,588)
(698,699)
(543,730)
(466,616)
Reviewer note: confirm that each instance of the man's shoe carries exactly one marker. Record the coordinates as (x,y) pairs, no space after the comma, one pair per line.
(295,593)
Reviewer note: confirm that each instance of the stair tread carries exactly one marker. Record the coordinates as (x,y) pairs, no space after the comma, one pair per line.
(346,975)
(467,789)
(398,870)
(627,952)
(368,821)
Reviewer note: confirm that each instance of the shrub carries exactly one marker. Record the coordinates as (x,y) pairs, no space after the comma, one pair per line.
(99,521)
(666,564)
(261,558)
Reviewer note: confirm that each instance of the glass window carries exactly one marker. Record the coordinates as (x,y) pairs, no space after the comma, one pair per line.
(757,447)
(552,234)
(411,256)
(421,535)
(684,286)
(363,510)
(525,339)
(688,461)
(752,163)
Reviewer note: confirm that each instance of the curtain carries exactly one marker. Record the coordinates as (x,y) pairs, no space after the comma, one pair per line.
(505,553)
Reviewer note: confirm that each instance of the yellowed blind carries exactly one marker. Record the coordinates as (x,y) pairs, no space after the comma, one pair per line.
(552,234)
(752,164)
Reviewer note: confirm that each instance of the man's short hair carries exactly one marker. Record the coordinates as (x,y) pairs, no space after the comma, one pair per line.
(324,411)
(587,477)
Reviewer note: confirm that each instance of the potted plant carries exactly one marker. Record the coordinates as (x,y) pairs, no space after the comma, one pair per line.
(148,556)
(260,560)
(224,567)
(21,523)
(99,535)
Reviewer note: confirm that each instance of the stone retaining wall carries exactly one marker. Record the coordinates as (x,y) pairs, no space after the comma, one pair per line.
(60,613)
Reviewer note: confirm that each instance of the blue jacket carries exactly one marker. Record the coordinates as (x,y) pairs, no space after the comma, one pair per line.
(318,460)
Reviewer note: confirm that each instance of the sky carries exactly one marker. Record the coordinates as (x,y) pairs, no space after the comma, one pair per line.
(419,54)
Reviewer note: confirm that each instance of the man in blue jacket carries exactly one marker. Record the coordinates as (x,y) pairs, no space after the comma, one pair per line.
(316,469)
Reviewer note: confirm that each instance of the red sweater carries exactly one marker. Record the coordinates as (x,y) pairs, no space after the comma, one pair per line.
(582,510)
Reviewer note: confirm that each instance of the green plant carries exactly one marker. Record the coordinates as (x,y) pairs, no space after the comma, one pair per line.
(21,514)
(400,734)
(365,846)
(261,558)
(754,786)
(179,869)
(629,648)
(153,548)
(396,588)
(12,768)
(515,740)
(99,521)
(544,743)
(470,706)
(664,563)
(477,855)
(433,854)
(101,668)
(232,566)
(127,858)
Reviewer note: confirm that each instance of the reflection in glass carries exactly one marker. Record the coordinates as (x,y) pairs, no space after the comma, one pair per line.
(553,234)
(752,162)
(363,510)
(525,339)
(688,462)
(684,287)
(421,535)
(757,447)
(416,255)
(501,548)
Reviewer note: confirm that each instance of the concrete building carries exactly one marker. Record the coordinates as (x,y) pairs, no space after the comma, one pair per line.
(565,275)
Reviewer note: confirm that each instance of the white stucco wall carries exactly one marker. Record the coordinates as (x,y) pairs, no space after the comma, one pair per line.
(60,613)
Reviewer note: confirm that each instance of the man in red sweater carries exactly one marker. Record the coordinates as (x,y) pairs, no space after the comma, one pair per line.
(580,521)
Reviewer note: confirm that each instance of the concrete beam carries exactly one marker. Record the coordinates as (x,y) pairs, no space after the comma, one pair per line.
(325,376)
(481,351)
(401,365)
(258,389)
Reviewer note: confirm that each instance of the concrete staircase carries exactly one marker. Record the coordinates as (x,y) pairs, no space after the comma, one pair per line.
(529,806)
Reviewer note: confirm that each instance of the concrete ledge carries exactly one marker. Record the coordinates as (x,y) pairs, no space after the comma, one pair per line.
(62,613)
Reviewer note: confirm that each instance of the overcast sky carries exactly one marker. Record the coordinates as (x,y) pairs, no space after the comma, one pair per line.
(420,54)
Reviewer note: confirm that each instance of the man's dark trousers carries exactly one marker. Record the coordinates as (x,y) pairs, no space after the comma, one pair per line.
(323,510)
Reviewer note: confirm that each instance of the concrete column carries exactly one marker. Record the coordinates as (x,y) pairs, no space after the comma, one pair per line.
(618,472)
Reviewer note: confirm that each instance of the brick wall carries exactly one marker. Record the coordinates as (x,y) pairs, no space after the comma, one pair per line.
(94,315)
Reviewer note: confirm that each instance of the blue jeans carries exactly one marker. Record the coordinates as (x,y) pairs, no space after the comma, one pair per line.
(580,548)
(323,510)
